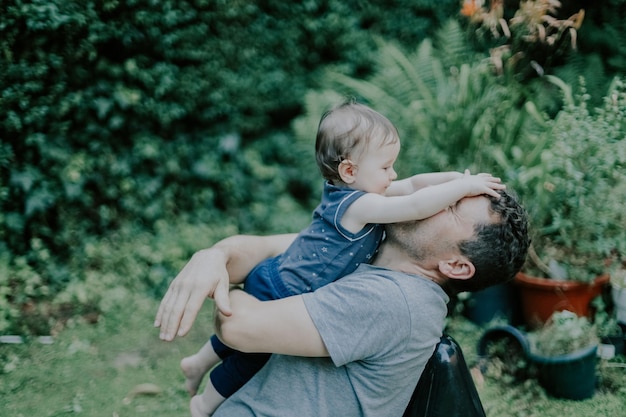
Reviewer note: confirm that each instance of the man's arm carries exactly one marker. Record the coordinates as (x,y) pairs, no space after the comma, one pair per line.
(244,252)
(280,326)
(209,273)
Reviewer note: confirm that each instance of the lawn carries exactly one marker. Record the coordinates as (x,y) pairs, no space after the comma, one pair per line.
(118,367)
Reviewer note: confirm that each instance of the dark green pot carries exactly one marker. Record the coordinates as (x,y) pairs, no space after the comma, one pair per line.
(571,376)
(498,301)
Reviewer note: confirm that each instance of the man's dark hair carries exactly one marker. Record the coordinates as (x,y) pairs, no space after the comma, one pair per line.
(498,250)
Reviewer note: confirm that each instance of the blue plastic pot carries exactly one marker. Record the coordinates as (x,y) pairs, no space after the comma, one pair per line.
(506,331)
(498,301)
(571,376)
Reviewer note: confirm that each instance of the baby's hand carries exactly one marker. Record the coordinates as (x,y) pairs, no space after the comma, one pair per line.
(482,184)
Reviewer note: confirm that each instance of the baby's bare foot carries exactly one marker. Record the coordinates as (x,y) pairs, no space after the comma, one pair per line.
(194,373)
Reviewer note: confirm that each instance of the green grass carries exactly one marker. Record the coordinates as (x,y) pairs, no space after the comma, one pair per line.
(92,370)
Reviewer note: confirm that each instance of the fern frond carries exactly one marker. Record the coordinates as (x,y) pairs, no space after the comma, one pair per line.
(452,45)
(390,52)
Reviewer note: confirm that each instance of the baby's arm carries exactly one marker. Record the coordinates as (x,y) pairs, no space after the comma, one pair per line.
(416,182)
(423,203)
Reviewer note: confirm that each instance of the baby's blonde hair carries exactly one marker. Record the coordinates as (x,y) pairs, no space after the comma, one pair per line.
(346,131)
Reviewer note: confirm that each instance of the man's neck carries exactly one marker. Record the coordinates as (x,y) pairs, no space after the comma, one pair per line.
(396,259)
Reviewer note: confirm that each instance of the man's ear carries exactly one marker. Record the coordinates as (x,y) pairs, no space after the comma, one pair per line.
(457,268)
(347,171)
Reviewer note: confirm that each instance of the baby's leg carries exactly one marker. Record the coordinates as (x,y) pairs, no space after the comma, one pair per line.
(196,366)
(205,404)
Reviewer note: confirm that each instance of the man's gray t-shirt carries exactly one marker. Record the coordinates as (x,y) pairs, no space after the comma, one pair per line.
(380,328)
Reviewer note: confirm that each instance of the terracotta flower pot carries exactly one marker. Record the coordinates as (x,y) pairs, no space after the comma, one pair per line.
(540,297)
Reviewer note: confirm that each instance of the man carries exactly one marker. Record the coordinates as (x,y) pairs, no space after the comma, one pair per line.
(358,346)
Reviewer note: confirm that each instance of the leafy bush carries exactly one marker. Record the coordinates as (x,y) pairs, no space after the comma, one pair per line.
(575,191)
(120,115)
(604,35)
(451,110)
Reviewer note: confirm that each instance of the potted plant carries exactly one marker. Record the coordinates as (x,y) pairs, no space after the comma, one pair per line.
(574,194)
(618,291)
(607,327)
(564,352)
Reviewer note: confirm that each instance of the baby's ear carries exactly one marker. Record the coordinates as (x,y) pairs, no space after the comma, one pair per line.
(347,171)
(457,268)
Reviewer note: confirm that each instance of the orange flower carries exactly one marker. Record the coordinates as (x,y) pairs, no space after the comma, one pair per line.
(469,8)
(578,19)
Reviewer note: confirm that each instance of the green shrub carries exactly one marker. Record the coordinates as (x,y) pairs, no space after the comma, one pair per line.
(575,190)
(121,115)
(117,116)
(451,110)
(109,108)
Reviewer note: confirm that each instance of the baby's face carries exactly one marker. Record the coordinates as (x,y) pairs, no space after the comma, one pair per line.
(375,171)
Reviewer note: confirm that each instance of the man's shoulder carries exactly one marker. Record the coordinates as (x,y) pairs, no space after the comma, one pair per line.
(374,279)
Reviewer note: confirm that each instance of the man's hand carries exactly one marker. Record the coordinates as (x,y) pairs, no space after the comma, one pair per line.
(205,275)
(209,273)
